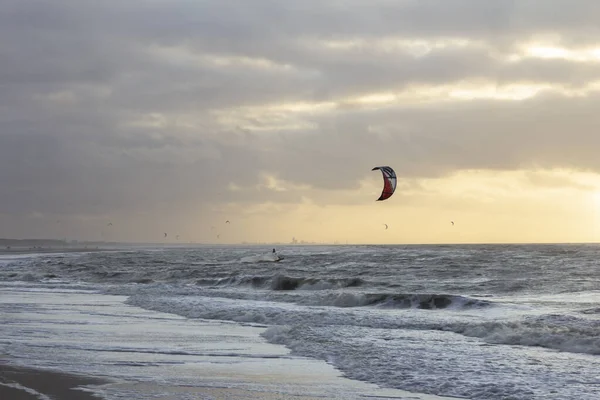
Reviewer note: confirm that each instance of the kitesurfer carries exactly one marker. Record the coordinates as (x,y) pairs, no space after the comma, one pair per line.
(273,251)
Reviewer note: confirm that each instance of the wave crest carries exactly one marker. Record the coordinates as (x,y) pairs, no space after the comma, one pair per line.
(557,332)
(282,282)
(403,301)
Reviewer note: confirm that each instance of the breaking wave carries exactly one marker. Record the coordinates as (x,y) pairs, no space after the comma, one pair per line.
(269,257)
(557,332)
(282,282)
(419,301)
(563,333)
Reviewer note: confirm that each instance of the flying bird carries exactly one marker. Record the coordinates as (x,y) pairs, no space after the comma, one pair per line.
(227,222)
(452,222)
(109,224)
(165,234)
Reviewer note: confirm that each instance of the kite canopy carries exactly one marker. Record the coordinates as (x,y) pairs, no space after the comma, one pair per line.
(389,182)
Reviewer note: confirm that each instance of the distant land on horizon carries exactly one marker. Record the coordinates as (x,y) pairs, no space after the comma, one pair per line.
(32,242)
(44,242)
(40,243)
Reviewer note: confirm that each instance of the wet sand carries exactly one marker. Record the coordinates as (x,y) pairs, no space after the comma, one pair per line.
(18,383)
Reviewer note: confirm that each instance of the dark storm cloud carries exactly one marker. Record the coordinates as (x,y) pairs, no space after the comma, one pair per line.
(114,106)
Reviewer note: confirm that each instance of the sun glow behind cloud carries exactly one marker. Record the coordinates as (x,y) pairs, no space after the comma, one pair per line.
(411,46)
(487,206)
(273,116)
(516,206)
(591,54)
(291,116)
(188,57)
(283,116)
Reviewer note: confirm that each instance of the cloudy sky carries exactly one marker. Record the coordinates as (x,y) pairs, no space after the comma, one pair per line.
(177,115)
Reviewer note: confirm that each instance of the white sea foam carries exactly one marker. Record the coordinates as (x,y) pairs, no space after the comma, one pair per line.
(268,257)
(31,391)
(482,322)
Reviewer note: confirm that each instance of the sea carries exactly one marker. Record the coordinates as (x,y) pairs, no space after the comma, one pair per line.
(488,322)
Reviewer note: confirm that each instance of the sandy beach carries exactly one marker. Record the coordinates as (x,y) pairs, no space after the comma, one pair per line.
(20,383)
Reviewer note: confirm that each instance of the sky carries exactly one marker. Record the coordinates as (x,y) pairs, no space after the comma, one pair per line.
(177,115)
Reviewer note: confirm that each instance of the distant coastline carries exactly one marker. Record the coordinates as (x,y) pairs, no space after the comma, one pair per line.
(62,245)
(28,246)
(6,243)
(32,242)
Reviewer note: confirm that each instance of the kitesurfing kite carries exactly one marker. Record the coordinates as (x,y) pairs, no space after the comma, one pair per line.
(452,222)
(389,182)
(386,226)
(165,234)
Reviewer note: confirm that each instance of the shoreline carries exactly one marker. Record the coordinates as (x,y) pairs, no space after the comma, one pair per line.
(30,383)
(157,355)
(25,383)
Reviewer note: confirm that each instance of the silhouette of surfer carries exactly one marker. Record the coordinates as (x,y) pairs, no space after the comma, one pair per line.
(276,257)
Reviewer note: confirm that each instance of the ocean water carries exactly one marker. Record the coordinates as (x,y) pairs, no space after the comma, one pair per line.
(468,321)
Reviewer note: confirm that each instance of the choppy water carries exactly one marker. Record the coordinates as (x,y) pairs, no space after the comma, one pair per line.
(477,321)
